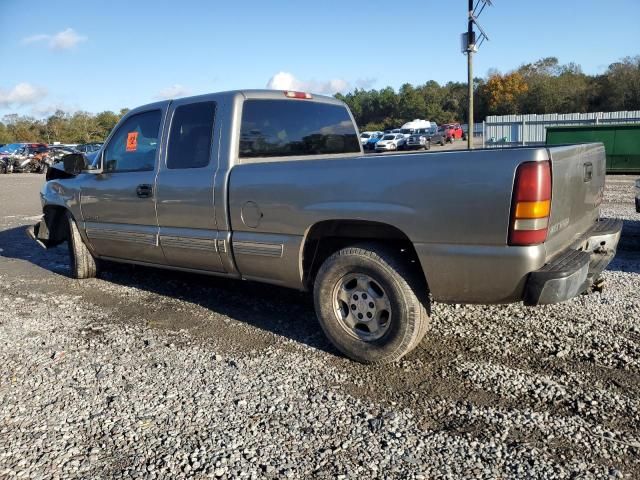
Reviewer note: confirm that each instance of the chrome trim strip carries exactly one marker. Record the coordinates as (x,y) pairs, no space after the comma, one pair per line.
(255,248)
(531,224)
(206,244)
(122,236)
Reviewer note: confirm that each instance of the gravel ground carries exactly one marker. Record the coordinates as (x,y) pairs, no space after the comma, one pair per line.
(145,373)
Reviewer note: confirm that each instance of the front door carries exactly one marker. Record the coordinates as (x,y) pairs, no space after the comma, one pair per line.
(185,200)
(118,205)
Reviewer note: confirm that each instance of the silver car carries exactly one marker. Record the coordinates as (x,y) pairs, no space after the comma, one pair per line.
(390,142)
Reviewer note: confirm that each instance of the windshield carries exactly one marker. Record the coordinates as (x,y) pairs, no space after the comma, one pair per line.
(407,130)
(11,148)
(364,135)
(388,137)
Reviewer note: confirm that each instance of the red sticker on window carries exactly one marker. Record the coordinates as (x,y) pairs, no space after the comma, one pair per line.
(132,141)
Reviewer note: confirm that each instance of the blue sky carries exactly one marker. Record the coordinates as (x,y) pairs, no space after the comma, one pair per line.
(105,55)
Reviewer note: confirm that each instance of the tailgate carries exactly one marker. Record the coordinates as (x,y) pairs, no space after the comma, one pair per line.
(578,176)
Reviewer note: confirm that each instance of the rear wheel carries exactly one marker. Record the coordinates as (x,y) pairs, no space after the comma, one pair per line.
(83,264)
(370,305)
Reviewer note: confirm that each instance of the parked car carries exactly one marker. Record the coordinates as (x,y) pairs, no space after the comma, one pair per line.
(366,136)
(392,141)
(419,139)
(89,147)
(272,186)
(25,158)
(440,136)
(373,140)
(453,132)
(638,195)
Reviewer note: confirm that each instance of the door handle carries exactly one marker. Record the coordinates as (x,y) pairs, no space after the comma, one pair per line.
(588,171)
(144,190)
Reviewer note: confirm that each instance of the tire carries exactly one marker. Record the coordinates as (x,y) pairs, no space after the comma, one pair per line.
(442,142)
(82,263)
(427,146)
(390,283)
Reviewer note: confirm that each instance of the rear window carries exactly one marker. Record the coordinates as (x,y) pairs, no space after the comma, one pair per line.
(280,128)
(190,137)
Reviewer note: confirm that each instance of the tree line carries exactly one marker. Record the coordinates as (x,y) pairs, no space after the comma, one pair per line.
(77,127)
(544,86)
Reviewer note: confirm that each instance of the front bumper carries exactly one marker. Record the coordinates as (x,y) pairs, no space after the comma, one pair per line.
(577,268)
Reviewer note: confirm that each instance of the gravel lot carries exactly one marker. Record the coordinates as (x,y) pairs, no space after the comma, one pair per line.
(145,373)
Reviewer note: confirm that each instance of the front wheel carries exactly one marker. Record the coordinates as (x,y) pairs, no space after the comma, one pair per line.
(427,146)
(370,305)
(82,263)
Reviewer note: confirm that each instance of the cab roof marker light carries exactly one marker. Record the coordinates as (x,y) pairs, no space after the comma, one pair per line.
(300,95)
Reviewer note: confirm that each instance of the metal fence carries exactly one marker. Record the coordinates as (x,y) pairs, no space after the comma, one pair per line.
(512,130)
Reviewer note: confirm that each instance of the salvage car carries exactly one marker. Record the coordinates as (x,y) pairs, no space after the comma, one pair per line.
(273,186)
(391,141)
(420,139)
(373,140)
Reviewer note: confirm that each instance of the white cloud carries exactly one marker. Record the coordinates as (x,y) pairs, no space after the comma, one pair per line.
(47,109)
(35,38)
(174,91)
(365,83)
(286,81)
(20,95)
(64,40)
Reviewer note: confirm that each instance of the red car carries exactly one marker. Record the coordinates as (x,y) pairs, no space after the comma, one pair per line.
(453,131)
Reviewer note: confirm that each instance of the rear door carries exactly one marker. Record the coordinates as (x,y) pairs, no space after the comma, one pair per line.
(185,187)
(118,205)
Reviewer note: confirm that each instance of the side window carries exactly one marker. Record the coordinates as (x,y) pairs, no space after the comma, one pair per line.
(133,147)
(190,136)
(281,128)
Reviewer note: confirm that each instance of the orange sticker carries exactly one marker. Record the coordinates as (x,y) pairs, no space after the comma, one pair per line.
(132,141)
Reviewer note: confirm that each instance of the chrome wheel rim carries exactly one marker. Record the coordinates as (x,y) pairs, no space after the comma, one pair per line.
(362,307)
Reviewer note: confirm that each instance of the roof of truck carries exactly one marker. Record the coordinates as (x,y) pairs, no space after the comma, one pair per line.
(265,94)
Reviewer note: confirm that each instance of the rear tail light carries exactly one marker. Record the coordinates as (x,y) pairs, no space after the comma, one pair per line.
(531,204)
(301,95)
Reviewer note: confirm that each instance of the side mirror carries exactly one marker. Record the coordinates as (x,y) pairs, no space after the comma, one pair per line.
(74,163)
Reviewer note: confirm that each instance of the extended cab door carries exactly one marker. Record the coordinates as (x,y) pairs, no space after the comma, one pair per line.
(185,184)
(118,205)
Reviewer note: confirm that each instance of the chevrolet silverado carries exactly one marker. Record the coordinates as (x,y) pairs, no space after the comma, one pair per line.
(273,186)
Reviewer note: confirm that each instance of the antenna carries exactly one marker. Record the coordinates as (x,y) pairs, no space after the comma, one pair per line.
(470,45)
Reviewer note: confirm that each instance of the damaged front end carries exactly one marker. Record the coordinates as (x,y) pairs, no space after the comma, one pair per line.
(51,230)
(39,233)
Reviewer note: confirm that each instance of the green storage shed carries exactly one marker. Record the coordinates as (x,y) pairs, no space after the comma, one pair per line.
(621,143)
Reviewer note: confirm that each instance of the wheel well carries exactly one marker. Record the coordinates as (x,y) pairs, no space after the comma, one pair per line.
(55,218)
(327,237)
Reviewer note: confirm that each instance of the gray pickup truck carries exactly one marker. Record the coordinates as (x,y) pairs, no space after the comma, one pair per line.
(273,186)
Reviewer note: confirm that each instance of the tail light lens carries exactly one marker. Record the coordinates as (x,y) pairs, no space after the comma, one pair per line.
(531,204)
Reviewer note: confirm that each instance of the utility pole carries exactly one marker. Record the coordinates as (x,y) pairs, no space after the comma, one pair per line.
(470,48)
(470,45)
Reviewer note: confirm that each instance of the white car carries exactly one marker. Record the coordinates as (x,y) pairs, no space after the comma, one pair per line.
(365,136)
(391,141)
(638,195)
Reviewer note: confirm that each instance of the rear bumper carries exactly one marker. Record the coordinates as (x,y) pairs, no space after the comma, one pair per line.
(577,268)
